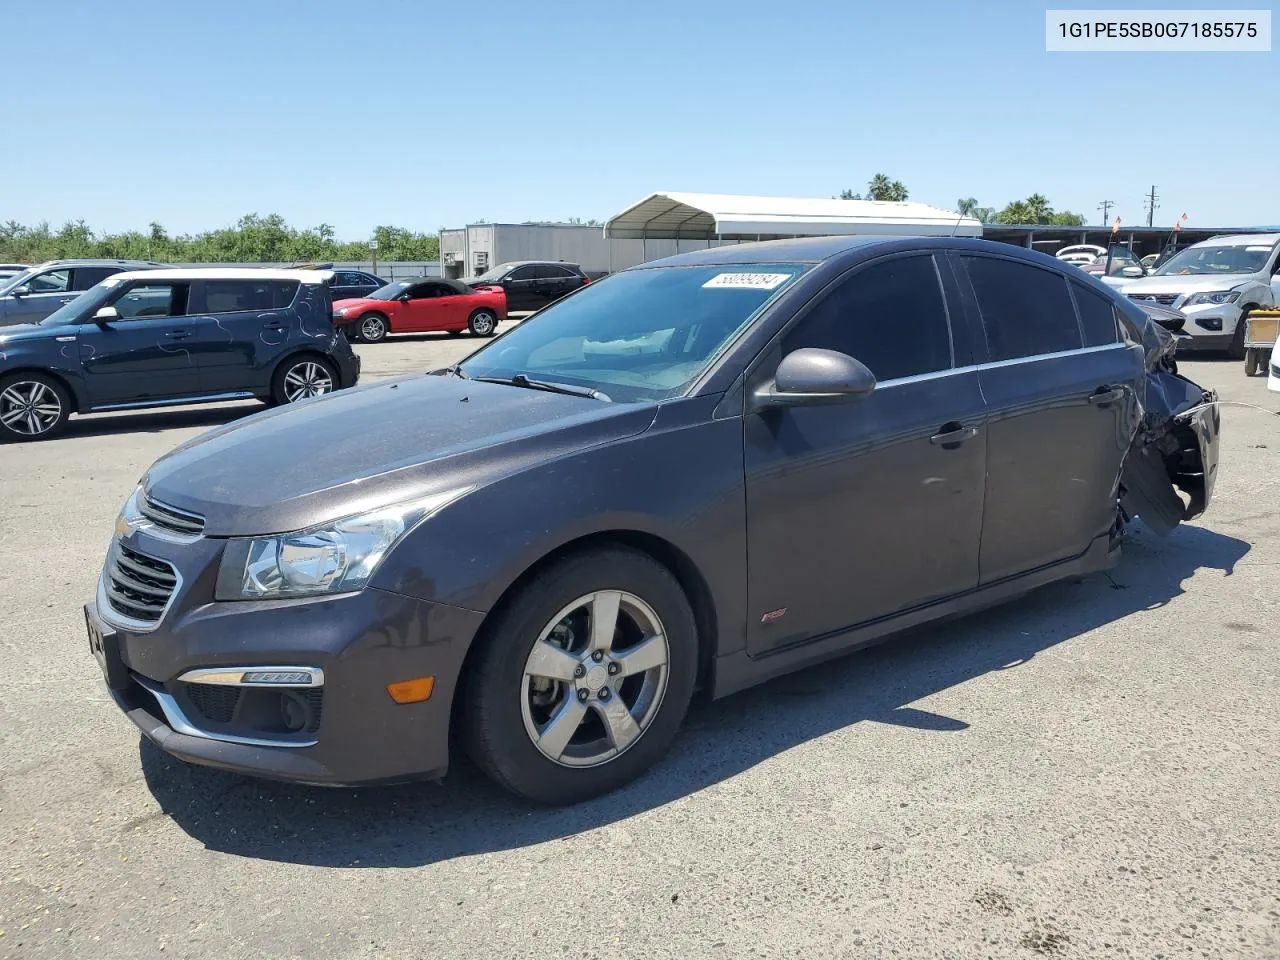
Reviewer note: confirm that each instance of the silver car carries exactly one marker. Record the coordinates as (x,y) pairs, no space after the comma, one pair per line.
(38,291)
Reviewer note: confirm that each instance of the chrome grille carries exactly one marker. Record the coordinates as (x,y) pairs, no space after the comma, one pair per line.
(170,519)
(137,586)
(1164,299)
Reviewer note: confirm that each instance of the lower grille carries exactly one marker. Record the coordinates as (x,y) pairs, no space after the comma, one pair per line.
(214,701)
(137,586)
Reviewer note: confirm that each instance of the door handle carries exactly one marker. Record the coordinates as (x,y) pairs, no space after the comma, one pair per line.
(273,325)
(1104,396)
(952,435)
(178,334)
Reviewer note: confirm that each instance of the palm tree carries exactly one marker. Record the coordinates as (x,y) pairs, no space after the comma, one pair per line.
(1038,208)
(967,206)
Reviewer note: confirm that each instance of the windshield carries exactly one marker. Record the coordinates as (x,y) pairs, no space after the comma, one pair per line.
(1209,260)
(644,334)
(390,291)
(497,273)
(85,305)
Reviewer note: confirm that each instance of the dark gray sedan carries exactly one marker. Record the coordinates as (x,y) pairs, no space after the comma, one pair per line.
(696,474)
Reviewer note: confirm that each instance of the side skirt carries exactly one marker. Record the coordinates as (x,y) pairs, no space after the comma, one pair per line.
(737,671)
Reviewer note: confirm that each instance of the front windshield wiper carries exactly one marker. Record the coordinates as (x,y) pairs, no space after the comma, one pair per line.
(456,371)
(521,380)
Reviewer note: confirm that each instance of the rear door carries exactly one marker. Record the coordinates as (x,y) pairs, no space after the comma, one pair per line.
(247,325)
(554,282)
(83,278)
(151,353)
(863,509)
(1061,389)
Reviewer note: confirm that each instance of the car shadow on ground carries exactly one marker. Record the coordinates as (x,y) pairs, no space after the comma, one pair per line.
(159,420)
(412,825)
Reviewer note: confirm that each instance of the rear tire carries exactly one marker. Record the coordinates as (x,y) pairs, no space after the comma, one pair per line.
(371,328)
(536,668)
(483,323)
(303,377)
(32,407)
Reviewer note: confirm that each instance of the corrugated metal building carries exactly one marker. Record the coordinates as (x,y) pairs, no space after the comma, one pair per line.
(664,224)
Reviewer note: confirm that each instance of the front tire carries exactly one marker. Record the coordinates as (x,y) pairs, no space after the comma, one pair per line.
(1236,351)
(372,328)
(583,678)
(483,323)
(300,378)
(32,407)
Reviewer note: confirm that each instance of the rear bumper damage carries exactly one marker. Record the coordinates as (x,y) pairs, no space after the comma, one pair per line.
(1172,463)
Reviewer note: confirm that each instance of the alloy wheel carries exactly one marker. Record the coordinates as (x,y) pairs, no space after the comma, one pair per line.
(372,329)
(595,679)
(29,408)
(307,379)
(482,324)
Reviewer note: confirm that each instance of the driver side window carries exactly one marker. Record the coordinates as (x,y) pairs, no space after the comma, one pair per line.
(521,273)
(890,315)
(55,281)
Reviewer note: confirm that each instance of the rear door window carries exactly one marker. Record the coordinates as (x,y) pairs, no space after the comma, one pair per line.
(235,296)
(890,315)
(1026,311)
(1097,316)
(86,277)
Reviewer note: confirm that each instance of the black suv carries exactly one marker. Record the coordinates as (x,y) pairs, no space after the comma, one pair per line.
(349,284)
(38,291)
(168,337)
(532,284)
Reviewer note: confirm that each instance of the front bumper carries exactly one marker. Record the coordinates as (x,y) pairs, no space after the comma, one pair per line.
(1212,325)
(361,641)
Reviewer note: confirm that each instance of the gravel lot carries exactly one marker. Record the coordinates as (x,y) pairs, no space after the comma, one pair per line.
(1089,772)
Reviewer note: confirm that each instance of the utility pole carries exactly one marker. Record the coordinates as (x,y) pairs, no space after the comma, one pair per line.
(1151,206)
(1105,206)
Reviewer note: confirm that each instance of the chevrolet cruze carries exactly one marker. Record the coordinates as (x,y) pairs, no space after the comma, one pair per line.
(697,474)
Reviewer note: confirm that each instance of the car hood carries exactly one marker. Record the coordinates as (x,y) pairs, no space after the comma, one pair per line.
(388,442)
(361,302)
(32,331)
(1188,284)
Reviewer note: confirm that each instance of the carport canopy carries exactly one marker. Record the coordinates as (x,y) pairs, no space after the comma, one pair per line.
(710,216)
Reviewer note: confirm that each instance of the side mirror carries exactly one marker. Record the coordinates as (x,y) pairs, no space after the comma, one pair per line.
(1133,271)
(106,315)
(811,376)
(21,291)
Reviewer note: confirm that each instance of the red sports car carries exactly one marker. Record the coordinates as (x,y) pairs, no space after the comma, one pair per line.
(424,304)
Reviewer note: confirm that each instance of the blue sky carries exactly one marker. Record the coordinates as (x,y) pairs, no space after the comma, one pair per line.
(423,114)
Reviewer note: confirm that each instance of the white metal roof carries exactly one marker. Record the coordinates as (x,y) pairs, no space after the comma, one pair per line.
(705,216)
(226,273)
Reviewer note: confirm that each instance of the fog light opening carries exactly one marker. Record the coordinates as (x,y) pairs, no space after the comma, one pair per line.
(295,712)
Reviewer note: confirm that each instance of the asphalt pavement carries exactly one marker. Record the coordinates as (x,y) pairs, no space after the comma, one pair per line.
(1089,772)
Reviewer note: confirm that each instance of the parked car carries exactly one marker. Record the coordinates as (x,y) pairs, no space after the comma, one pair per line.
(553,543)
(10,270)
(1149,261)
(351,284)
(38,291)
(154,338)
(532,284)
(1216,283)
(421,305)
(1081,253)
(1120,262)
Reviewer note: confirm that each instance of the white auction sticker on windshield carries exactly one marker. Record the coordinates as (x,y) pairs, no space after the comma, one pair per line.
(748,281)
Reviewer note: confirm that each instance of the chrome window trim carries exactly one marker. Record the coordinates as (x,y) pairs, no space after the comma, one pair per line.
(176,719)
(116,619)
(233,676)
(997,364)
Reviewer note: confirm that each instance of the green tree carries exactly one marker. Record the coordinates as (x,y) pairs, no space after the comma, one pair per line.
(880,187)
(967,206)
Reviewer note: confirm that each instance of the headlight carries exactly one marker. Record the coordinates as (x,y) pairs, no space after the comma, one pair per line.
(1224,296)
(338,557)
(341,312)
(130,517)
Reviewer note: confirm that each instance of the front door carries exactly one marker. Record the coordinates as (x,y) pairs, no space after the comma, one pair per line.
(522,289)
(45,293)
(863,509)
(246,324)
(151,353)
(1062,393)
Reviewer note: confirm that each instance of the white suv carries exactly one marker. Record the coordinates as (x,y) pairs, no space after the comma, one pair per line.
(1215,283)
